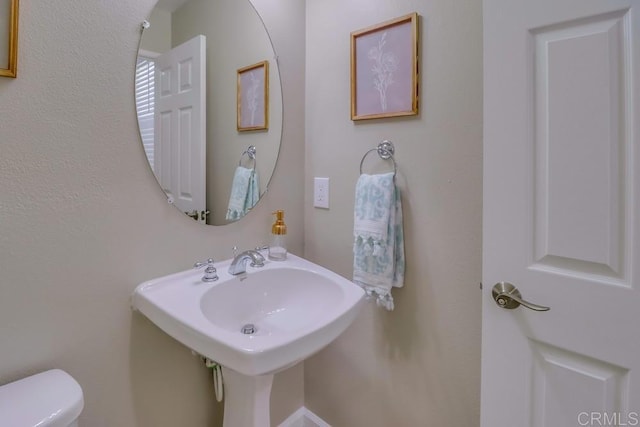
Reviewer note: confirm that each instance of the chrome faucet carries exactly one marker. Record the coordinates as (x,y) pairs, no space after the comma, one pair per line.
(239,263)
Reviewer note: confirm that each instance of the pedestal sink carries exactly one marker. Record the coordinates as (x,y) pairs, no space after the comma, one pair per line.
(254,324)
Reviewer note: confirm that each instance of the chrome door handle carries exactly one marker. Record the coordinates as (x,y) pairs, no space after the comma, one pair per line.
(508,296)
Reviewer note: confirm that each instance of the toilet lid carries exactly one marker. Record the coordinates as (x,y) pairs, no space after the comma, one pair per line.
(48,399)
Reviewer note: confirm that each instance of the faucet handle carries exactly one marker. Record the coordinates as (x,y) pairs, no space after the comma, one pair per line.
(235,251)
(210,273)
(262,248)
(259,259)
(201,264)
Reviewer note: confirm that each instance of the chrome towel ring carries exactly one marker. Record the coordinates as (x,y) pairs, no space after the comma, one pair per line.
(385,150)
(251,153)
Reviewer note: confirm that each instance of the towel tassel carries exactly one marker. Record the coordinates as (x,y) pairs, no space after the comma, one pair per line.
(385,301)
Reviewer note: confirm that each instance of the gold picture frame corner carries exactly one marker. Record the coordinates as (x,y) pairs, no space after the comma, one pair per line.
(12,28)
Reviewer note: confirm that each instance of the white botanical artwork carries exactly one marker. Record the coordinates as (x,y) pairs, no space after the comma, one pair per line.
(384,70)
(384,65)
(252,97)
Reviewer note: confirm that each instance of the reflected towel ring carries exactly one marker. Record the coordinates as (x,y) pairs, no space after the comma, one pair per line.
(385,150)
(251,152)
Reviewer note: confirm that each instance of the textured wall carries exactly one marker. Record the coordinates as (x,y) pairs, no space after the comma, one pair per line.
(82,220)
(419,365)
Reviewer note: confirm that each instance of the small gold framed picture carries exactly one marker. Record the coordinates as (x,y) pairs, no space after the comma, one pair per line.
(253,97)
(8,38)
(384,69)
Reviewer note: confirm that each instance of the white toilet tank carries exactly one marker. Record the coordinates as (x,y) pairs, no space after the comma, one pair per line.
(48,399)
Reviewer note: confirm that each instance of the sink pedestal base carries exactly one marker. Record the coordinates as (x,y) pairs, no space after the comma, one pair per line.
(246,399)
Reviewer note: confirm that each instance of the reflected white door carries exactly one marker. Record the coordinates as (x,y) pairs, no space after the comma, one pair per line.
(562,212)
(180,125)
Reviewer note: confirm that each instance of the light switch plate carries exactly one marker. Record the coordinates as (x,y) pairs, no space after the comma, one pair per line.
(321,193)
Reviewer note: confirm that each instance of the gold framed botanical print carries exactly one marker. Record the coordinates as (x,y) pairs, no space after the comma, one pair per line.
(8,38)
(384,69)
(253,97)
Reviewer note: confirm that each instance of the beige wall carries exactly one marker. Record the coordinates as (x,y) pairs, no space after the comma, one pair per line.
(83,221)
(419,365)
(246,42)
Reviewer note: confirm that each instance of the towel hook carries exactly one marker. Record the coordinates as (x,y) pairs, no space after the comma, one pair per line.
(251,152)
(385,150)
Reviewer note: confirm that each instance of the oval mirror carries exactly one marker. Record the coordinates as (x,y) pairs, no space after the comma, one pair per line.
(209,105)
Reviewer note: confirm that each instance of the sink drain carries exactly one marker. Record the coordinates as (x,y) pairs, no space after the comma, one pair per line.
(249,329)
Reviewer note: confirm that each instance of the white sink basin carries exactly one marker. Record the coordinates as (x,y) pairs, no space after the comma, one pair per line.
(296,306)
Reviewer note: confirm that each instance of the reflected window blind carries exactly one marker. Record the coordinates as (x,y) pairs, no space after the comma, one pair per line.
(145,87)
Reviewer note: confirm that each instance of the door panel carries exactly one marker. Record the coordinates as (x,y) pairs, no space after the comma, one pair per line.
(580,144)
(186,154)
(560,212)
(162,165)
(558,374)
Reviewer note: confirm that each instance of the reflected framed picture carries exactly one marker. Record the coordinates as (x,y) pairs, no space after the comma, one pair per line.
(253,97)
(8,38)
(384,69)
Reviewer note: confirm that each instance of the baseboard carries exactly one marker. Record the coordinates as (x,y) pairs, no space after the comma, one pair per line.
(312,420)
(304,418)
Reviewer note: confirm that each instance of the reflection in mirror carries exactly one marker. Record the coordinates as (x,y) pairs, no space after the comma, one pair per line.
(186,99)
(244,188)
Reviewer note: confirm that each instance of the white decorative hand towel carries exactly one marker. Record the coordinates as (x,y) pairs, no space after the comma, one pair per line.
(245,192)
(378,249)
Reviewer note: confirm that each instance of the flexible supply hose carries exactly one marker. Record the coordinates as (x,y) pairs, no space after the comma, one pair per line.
(218,384)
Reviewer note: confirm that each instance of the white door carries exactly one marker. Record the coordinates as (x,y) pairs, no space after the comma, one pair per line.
(562,212)
(180,125)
